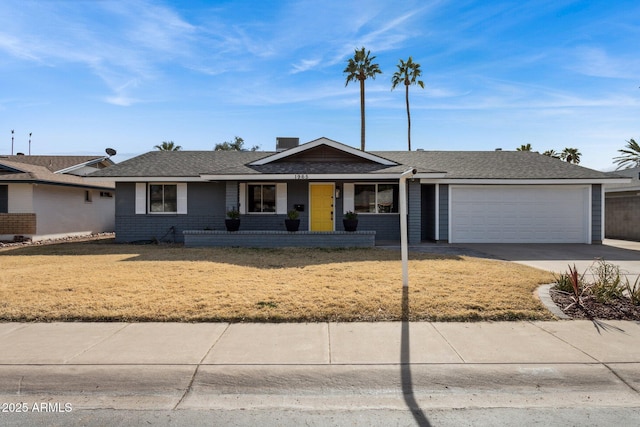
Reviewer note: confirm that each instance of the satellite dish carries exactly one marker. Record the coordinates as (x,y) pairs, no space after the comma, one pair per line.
(110,152)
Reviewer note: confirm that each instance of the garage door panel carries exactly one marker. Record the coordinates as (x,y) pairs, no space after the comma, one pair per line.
(519,214)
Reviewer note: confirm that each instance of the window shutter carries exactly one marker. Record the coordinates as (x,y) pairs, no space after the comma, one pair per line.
(281,198)
(182,198)
(242,198)
(348,194)
(141,198)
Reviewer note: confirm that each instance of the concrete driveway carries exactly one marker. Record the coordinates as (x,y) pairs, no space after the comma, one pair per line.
(558,257)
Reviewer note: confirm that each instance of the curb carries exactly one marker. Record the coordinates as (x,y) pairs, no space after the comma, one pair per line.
(545,297)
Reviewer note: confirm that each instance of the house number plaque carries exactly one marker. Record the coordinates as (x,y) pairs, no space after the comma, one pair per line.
(301,176)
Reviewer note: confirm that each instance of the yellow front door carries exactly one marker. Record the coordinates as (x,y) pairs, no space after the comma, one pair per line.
(321,207)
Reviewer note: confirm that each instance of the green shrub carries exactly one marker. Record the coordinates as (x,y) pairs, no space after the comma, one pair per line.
(607,282)
(563,283)
(633,291)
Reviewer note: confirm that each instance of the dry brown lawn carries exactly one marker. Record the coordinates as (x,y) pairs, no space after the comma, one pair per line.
(102,281)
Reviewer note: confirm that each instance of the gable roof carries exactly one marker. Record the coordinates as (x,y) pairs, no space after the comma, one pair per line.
(345,150)
(14,172)
(60,164)
(350,163)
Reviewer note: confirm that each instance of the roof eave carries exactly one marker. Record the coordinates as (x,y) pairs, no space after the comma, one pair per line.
(81,165)
(527,181)
(60,184)
(143,178)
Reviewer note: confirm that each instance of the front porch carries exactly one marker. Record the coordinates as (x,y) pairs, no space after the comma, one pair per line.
(274,239)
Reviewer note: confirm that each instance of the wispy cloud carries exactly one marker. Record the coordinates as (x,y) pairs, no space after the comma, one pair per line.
(305,64)
(597,62)
(126,45)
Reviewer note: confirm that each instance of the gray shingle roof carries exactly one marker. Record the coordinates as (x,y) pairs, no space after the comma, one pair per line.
(22,172)
(180,163)
(493,165)
(53,163)
(456,164)
(633,173)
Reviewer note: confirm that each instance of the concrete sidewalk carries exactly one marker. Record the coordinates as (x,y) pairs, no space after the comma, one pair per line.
(335,365)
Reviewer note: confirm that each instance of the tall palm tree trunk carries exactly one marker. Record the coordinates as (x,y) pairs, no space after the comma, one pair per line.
(408,118)
(362,114)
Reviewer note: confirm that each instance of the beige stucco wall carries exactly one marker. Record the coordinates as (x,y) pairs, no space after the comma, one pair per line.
(20,198)
(63,211)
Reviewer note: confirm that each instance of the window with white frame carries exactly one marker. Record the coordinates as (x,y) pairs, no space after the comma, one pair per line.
(163,198)
(261,198)
(375,198)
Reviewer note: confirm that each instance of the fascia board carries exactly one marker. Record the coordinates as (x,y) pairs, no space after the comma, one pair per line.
(145,178)
(621,189)
(311,177)
(59,184)
(298,177)
(523,181)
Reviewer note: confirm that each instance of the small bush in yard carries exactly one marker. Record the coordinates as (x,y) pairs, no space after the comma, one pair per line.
(572,283)
(607,285)
(633,291)
(563,283)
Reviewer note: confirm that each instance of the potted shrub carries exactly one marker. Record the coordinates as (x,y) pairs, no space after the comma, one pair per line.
(233,220)
(293,220)
(350,221)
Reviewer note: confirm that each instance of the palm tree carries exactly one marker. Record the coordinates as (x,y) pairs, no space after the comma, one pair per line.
(552,153)
(168,146)
(524,147)
(408,73)
(571,155)
(630,157)
(360,67)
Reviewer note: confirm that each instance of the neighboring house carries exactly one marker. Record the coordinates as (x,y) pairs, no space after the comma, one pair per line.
(455,196)
(622,202)
(45,197)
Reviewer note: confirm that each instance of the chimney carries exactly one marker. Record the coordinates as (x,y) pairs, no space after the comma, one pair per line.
(284,143)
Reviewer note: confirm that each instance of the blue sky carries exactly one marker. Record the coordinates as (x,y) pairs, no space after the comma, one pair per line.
(83,75)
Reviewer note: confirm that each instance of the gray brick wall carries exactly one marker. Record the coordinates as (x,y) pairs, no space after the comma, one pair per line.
(125,198)
(269,239)
(622,217)
(203,207)
(206,211)
(386,226)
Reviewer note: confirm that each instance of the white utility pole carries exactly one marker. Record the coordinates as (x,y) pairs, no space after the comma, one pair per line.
(404,244)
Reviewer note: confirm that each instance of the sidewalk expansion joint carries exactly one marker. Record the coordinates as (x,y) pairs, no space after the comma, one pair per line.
(625,382)
(564,341)
(126,325)
(195,371)
(448,343)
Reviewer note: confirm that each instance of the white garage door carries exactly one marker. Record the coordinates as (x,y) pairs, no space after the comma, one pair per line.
(519,214)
